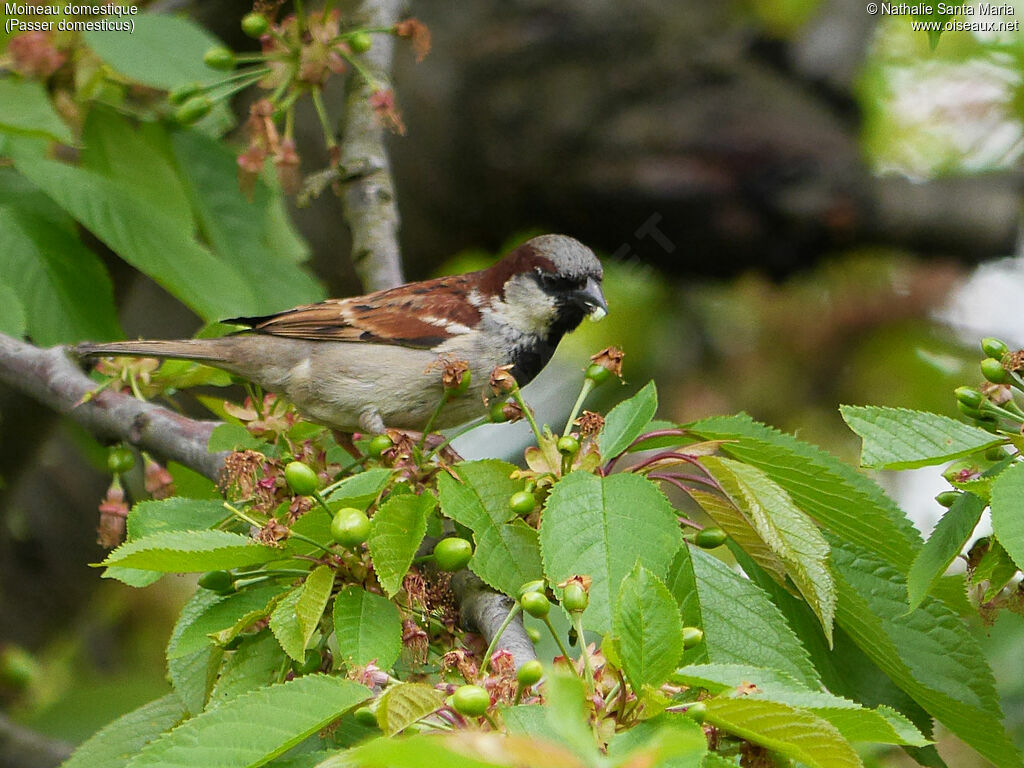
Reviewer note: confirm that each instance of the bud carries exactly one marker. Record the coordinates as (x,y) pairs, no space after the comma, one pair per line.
(193,110)
(255,25)
(158,481)
(219,57)
(113,516)
(971,398)
(994,347)
(360,42)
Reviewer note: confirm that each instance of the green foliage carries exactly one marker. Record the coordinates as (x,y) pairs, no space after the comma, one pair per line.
(945,543)
(648,630)
(1008,511)
(367,627)
(397,531)
(405,704)
(195,551)
(627,420)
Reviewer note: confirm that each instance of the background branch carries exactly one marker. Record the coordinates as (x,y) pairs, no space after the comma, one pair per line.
(22,748)
(483,610)
(367,194)
(51,377)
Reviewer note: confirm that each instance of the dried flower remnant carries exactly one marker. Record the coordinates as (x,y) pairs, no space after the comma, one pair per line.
(417,33)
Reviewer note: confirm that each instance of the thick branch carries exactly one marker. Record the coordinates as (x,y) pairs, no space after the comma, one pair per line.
(22,748)
(368,195)
(50,376)
(483,610)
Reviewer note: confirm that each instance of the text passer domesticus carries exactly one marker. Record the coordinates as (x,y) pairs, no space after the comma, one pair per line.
(374,361)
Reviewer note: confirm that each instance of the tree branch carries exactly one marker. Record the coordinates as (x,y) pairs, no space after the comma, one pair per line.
(50,376)
(483,610)
(368,195)
(22,748)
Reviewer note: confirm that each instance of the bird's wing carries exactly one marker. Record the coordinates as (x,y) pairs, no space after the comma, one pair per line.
(420,315)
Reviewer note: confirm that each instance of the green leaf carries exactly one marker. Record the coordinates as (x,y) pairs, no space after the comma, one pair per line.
(174,514)
(297,615)
(928,653)
(367,627)
(192,676)
(406,703)
(1008,511)
(648,629)
(787,531)
(667,741)
(191,551)
(506,556)
(529,720)
(236,226)
(430,749)
(899,438)
(257,662)
(627,421)
(255,727)
(838,497)
(566,713)
(142,234)
(63,289)
(682,583)
(12,313)
(116,743)
(741,625)
(945,543)
(795,733)
(397,530)
(600,526)
(232,437)
(161,51)
(137,156)
(853,721)
(25,109)
(728,516)
(245,606)
(361,489)
(994,570)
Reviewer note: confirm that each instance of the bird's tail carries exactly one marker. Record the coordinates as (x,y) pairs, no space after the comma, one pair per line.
(206,350)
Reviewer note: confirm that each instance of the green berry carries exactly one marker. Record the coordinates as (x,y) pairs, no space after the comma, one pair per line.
(534,634)
(496,412)
(568,445)
(120,459)
(971,398)
(471,700)
(537,585)
(183,92)
(598,373)
(452,554)
(994,347)
(522,502)
(454,390)
(221,582)
(692,636)
(535,604)
(193,110)
(379,444)
(255,25)
(301,478)
(698,711)
(530,673)
(311,663)
(219,57)
(947,498)
(365,716)
(575,598)
(995,453)
(350,527)
(360,42)
(710,538)
(971,413)
(993,370)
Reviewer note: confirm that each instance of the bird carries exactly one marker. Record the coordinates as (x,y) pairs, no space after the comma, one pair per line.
(373,362)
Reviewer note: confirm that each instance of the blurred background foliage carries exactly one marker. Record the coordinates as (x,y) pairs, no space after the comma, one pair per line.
(800,205)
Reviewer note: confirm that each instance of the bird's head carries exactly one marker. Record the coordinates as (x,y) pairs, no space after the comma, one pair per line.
(548,285)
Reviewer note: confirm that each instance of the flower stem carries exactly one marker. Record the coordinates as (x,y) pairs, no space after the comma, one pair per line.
(321,113)
(561,646)
(588,386)
(497,636)
(577,622)
(433,417)
(518,396)
(468,428)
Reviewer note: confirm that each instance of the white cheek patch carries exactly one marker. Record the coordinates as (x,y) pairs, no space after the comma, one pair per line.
(526,307)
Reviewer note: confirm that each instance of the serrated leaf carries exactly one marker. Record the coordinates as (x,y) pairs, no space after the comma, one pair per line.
(668,741)
(928,653)
(647,628)
(395,534)
(787,531)
(361,489)
(406,703)
(192,676)
(255,727)
(900,438)
(599,527)
(730,519)
(245,605)
(853,721)
(298,613)
(191,551)
(795,733)
(682,583)
(839,498)
(113,745)
(367,627)
(1008,511)
(627,421)
(566,713)
(25,109)
(741,625)
(945,543)
(174,514)
(257,662)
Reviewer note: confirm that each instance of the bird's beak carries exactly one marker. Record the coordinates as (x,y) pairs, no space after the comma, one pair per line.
(592,298)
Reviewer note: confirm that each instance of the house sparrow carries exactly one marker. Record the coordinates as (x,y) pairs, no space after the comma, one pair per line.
(374,361)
